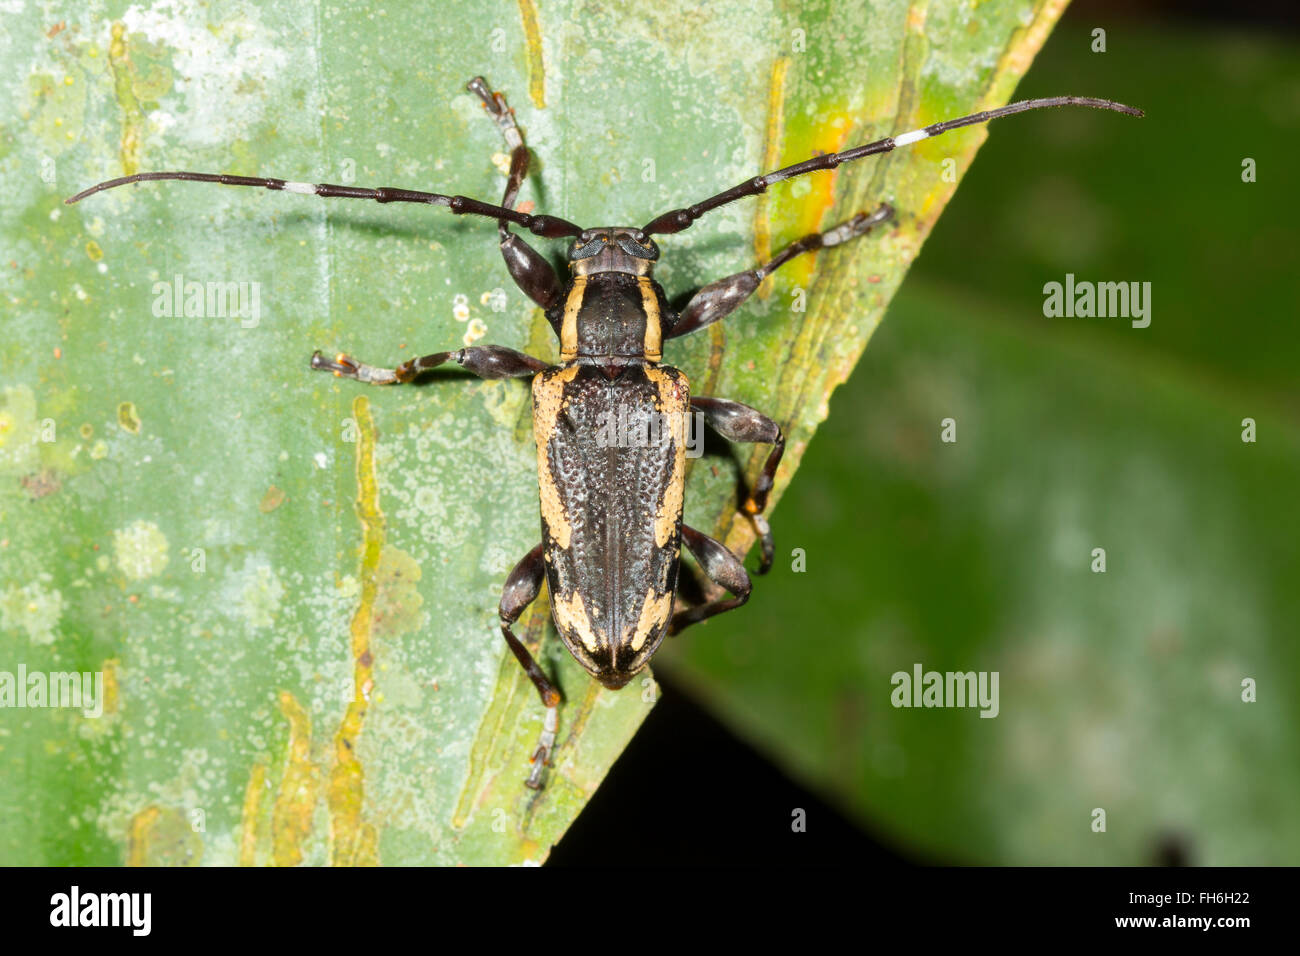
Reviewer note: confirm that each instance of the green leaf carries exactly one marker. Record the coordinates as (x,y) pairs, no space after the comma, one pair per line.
(289,583)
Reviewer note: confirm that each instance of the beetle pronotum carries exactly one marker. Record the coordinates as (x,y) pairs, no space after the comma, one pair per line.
(611,513)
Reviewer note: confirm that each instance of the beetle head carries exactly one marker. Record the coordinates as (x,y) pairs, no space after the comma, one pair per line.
(613,249)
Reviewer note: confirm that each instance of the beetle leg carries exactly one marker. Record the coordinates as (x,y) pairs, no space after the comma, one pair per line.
(719,299)
(530,270)
(737,422)
(522,588)
(485,361)
(722,567)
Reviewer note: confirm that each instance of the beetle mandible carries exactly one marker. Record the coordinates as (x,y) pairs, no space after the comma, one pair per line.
(611,511)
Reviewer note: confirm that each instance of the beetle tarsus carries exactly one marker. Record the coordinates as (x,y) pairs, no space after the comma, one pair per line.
(485,361)
(766,542)
(859,225)
(545,746)
(344,366)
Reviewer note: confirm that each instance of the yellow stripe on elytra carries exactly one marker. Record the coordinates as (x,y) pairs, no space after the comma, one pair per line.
(654,611)
(653,347)
(569,327)
(548,401)
(571,615)
(674,402)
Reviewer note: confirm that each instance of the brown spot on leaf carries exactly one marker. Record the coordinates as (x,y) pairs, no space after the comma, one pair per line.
(39,484)
(128,418)
(273,498)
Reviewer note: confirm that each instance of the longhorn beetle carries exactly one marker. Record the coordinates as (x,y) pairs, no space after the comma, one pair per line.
(612,526)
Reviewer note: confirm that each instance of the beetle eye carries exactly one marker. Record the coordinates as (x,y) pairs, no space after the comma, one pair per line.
(638,249)
(585,250)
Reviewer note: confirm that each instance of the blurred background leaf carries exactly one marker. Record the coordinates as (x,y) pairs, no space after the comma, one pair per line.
(290,583)
(1121,690)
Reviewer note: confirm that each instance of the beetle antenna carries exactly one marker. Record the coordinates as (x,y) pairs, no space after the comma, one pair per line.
(679,219)
(548,227)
